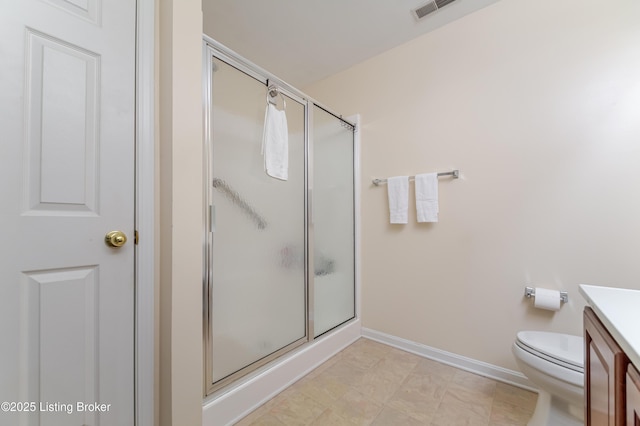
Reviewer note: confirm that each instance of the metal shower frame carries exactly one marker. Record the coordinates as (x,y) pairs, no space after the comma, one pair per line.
(212,49)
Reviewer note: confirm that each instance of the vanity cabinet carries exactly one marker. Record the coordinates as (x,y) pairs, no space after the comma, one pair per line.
(605,376)
(633,396)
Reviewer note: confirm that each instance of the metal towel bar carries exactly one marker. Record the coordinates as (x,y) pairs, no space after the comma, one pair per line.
(455,174)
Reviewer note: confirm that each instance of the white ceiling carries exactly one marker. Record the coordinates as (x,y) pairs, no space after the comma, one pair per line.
(303,41)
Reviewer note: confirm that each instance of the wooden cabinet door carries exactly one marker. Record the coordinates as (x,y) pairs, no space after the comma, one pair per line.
(605,367)
(633,396)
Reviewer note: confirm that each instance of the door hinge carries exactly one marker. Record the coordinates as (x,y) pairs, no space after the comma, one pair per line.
(135,237)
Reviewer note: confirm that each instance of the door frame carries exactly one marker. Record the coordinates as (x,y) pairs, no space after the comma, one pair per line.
(144,327)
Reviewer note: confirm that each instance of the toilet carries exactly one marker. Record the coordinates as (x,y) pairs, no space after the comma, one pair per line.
(554,362)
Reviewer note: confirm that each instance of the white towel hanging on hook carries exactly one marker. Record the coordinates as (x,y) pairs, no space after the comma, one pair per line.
(275,137)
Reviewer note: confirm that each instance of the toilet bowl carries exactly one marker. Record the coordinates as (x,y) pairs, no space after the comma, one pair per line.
(554,362)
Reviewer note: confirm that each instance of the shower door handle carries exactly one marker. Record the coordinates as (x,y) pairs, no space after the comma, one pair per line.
(212,218)
(310,204)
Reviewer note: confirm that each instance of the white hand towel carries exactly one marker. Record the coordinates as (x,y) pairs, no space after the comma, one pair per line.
(398,191)
(427,197)
(275,143)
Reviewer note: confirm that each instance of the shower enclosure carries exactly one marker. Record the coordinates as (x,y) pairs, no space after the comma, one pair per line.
(279,254)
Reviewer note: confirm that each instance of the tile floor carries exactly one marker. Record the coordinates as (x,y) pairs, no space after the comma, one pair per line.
(369,383)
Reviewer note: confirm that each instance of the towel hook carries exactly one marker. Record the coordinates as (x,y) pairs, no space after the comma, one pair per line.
(272,93)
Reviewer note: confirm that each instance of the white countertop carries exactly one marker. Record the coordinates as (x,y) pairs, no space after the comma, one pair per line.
(619,311)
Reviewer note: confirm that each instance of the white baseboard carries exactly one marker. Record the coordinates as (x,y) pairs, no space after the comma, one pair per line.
(230,406)
(511,377)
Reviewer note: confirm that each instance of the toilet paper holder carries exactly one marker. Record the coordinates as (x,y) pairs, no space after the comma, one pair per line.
(530,292)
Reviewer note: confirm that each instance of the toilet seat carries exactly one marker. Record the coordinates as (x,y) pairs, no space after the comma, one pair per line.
(564,350)
(554,364)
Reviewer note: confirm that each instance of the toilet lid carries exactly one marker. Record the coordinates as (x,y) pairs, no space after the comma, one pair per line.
(562,348)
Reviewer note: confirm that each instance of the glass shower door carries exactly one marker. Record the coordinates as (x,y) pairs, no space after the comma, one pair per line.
(334,231)
(257,256)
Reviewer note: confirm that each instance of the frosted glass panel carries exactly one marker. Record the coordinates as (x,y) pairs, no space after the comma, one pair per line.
(257,260)
(334,277)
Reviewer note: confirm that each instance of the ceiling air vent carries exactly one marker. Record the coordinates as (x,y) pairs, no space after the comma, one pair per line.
(430,7)
(443,3)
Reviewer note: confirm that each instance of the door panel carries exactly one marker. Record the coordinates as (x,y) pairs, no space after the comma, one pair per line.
(52,368)
(86,9)
(61,126)
(633,396)
(257,262)
(67,161)
(334,232)
(605,367)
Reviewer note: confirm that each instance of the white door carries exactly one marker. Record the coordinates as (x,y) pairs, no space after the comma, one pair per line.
(67,109)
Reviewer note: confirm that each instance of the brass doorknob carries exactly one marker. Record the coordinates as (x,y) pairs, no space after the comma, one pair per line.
(115,239)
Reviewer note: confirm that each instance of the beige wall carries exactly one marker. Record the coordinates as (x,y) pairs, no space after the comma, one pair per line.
(180,212)
(538,104)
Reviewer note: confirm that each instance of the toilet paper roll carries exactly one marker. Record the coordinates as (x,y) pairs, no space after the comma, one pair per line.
(547,299)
